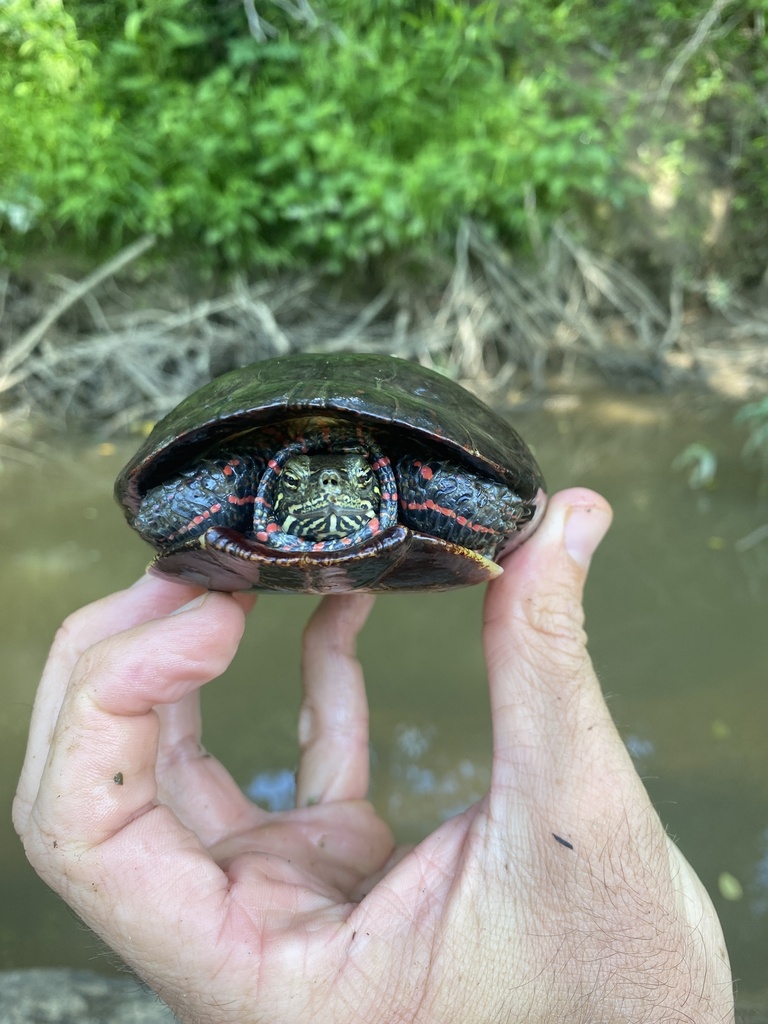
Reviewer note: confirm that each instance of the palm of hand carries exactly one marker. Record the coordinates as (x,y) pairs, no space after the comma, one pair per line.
(292,882)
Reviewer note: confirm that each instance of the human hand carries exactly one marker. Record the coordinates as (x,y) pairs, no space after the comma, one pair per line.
(557,897)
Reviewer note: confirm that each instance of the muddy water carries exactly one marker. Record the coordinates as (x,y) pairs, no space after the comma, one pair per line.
(678,625)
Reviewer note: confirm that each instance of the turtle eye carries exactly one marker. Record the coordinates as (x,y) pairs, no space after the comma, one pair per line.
(363,476)
(294,474)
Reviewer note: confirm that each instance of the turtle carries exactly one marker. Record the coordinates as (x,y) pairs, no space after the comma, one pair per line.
(320,473)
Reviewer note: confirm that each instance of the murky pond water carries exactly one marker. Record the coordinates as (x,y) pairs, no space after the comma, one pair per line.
(678,625)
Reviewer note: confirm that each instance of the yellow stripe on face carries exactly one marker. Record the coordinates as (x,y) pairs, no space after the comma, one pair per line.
(326,496)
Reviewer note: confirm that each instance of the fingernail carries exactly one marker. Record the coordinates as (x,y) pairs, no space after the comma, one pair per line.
(245,600)
(194,603)
(585,527)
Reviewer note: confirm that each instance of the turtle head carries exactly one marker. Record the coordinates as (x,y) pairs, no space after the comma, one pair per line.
(326,496)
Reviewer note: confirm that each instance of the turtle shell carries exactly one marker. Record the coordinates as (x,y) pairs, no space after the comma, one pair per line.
(387,395)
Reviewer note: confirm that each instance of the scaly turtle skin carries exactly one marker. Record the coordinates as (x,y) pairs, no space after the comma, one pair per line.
(331,473)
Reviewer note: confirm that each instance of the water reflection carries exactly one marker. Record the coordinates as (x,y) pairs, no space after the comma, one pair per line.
(423,784)
(273,789)
(641,750)
(419,787)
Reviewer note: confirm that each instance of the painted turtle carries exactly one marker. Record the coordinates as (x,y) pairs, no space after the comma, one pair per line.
(321,473)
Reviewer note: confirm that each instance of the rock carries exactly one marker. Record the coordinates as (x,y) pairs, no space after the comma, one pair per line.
(58,995)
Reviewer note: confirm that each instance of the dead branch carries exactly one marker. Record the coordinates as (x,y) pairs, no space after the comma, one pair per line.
(498,320)
(26,345)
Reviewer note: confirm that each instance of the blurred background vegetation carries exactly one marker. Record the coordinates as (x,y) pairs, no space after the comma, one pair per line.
(336,135)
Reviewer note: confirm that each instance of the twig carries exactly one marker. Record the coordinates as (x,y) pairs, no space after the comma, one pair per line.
(533,223)
(265,318)
(26,345)
(351,333)
(260,29)
(753,538)
(4,277)
(696,41)
(300,11)
(676,294)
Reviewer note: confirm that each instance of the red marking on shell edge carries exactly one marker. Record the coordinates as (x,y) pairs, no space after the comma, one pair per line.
(318,546)
(216,508)
(426,472)
(262,536)
(272,527)
(273,465)
(227,470)
(375,524)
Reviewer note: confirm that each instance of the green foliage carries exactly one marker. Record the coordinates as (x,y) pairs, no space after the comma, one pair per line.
(42,65)
(322,146)
(373,130)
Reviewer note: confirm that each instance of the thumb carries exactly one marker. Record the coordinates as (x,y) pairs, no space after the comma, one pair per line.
(544,692)
(533,612)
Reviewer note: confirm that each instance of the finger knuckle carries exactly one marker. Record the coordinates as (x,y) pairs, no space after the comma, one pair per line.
(556,615)
(69,636)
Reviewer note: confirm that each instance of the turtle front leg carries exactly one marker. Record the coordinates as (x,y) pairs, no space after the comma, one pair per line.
(217,492)
(451,502)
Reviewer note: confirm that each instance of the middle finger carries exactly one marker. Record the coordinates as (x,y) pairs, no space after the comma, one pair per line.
(333,723)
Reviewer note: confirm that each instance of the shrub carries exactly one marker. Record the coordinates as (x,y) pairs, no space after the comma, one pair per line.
(363,130)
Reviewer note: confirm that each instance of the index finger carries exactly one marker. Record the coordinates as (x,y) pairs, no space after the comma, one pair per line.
(148,598)
(99,777)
